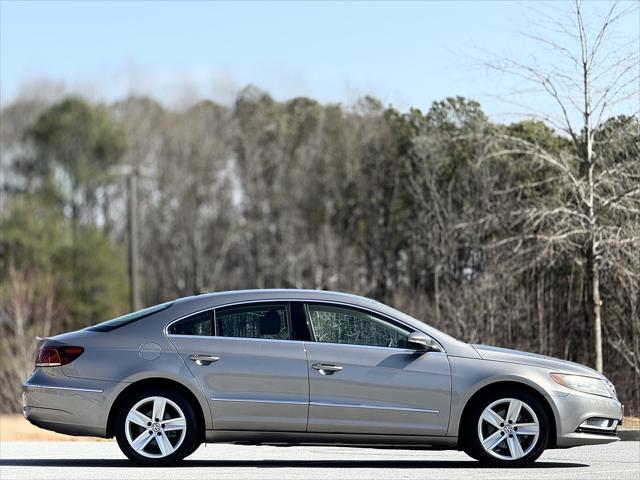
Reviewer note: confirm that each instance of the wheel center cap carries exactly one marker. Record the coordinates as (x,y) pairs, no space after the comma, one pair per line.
(508,429)
(156,427)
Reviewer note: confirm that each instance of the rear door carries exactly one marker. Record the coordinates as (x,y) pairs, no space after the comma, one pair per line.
(253,374)
(364,379)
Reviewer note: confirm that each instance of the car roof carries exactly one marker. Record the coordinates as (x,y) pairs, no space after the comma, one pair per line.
(232,296)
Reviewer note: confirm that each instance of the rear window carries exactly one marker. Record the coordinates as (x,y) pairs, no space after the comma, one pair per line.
(128,318)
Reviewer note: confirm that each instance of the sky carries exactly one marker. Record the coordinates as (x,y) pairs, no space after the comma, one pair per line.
(405,53)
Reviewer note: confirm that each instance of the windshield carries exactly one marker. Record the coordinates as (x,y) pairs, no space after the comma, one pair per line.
(128,318)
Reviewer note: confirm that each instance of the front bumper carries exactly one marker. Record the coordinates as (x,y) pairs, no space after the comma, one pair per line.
(575,409)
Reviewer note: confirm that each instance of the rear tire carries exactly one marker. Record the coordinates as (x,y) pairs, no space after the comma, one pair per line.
(156,428)
(507,428)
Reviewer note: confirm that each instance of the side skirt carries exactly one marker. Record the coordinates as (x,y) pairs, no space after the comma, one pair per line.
(330,439)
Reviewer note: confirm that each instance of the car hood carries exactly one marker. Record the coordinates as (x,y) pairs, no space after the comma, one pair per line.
(497,354)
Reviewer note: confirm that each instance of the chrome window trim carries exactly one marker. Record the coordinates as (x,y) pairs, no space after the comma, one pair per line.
(373,407)
(253,400)
(175,335)
(345,345)
(378,347)
(77,389)
(333,302)
(212,309)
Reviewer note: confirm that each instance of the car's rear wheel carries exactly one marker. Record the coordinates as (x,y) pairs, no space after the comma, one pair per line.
(507,429)
(156,428)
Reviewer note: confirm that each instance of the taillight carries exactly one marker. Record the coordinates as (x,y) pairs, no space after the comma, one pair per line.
(57,356)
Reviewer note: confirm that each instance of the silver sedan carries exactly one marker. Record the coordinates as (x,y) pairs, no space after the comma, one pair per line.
(303,367)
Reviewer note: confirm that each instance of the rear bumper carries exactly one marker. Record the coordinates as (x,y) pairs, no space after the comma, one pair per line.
(36,417)
(69,406)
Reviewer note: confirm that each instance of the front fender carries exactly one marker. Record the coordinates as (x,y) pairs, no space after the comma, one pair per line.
(469,376)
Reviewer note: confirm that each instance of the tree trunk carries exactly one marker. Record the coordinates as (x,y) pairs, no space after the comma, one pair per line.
(539,292)
(593,278)
(436,294)
(588,159)
(132,214)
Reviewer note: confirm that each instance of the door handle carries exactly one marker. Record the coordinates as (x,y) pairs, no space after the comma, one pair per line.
(203,359)
(326,368)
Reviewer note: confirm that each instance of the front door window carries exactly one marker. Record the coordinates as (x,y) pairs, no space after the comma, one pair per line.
(336,324)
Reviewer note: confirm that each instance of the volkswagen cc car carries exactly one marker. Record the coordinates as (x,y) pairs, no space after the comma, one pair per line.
(300,367)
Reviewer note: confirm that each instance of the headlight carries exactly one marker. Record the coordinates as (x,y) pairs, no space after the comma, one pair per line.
(595,386)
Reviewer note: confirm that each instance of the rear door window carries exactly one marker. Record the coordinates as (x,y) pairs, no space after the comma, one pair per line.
(267,321)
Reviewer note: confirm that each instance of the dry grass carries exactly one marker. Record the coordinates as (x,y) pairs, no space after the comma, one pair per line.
(631,422)
(15,427)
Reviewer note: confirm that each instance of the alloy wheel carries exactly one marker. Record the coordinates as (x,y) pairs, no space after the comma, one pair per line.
(508,429)
(155,427)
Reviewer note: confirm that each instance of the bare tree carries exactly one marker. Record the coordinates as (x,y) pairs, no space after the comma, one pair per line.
(598,74)
(27,310)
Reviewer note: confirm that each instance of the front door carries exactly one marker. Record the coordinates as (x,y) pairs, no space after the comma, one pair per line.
(364,379)
(253,374)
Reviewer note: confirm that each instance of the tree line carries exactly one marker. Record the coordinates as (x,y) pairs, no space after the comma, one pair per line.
(439,213)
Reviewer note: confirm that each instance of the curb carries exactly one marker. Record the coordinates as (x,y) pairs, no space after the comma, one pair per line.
(629,435)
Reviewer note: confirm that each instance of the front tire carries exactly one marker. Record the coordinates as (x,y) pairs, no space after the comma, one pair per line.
(508,428)
(156,428)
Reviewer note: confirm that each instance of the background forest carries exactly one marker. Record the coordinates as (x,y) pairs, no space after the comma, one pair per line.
(522,235)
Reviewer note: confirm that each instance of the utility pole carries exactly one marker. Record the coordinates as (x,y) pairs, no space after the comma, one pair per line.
(131,174)
(132,214)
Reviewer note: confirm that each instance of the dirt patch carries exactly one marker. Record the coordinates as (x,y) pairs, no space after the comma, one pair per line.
(631,422)
(16,427)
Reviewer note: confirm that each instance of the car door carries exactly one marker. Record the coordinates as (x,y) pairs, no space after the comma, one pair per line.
(364,379)
(253,374)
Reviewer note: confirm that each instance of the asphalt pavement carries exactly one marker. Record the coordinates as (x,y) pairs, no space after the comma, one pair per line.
(103,460)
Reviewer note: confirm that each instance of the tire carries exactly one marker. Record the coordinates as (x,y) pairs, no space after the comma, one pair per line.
(471,453)
(194,448)
(513,426)
(156,428)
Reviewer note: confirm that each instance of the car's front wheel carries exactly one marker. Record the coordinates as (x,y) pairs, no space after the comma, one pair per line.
(156,428)
(507,429)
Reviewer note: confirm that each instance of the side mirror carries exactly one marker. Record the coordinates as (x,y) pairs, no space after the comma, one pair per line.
(421,342)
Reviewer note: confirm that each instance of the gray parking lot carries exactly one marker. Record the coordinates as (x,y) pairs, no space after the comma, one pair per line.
(103,460)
